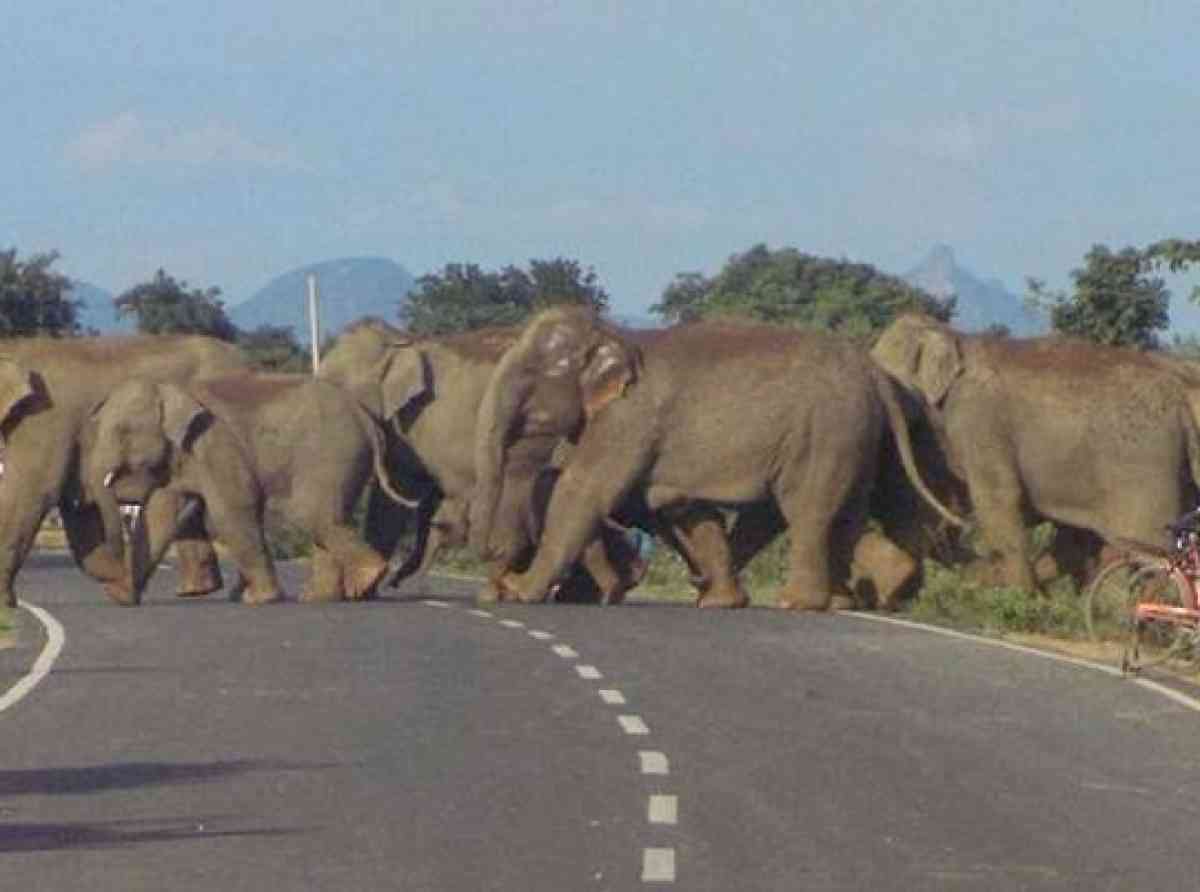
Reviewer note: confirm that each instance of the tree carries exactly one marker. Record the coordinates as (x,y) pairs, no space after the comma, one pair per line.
(166,306)
(789,287)
(1116,301)
(274,348)
(34,300)
(464,296)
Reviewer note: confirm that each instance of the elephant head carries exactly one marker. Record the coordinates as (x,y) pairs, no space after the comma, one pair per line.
(137,436)
(379,365)
(566,367)
(922,354)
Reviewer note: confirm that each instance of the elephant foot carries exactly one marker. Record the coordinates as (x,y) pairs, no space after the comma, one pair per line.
(489,593)
(510,588)
(361,583)
(729,600)
(197,576)
(119,591)
(252,598)
(828,602)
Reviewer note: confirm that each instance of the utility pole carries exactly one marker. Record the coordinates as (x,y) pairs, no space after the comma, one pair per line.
(314,322)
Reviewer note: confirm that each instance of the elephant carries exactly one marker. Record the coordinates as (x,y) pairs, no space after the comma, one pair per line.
(48,387)
(241,444)
(705,414)
(426,392)
(1101,439)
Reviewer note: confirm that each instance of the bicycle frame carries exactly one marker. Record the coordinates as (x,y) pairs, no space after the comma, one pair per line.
(1184,570)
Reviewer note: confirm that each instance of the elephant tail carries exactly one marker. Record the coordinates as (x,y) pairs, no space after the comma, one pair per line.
(899,425)
(379,450)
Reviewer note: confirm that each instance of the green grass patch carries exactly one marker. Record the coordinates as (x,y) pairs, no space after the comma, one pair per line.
(6,621)
(948,598)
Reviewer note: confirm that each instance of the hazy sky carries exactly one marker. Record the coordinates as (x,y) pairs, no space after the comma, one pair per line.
(229,142)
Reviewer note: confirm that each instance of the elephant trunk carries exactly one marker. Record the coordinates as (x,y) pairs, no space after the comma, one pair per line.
(497,415)
(899,425)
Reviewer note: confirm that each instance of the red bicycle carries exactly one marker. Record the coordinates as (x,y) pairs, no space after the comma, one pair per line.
(1149,598)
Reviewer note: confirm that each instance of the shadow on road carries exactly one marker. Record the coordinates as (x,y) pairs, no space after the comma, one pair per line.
(107,834)
(130,775)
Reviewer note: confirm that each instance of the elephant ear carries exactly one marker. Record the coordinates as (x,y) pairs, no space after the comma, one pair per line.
(938,363)
(609,372)
(16,386)
(405,379)
(183,417)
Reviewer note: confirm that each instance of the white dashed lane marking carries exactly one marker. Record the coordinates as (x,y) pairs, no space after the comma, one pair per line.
(662,810)
(633,724)
(658,866)
(653,762)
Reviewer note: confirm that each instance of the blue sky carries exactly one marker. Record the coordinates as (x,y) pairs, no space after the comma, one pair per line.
(229,142)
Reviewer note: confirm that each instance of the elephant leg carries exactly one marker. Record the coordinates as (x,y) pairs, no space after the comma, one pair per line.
(823,508)
(239,526)
(361,566)
(700,534)
(198,567)
(613,565)
(85,532)
(28,489)
(881,571)
(997,496)
(385,521)
(326,582)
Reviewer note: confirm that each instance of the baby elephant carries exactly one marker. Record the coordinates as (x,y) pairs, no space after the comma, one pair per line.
(241,444)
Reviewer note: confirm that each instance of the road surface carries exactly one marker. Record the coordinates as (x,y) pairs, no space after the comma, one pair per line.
(414,743)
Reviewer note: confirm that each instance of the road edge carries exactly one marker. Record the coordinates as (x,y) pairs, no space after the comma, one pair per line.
(56,638)
(1176,696)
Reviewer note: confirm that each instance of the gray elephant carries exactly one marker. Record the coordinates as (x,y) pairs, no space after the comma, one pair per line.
(1095,438)
(48,387)
(426,393)
(242,444)
(708,413)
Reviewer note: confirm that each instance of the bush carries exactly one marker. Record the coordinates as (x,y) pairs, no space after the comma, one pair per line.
(949,598)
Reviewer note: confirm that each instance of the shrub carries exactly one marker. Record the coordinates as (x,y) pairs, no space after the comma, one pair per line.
(949,598)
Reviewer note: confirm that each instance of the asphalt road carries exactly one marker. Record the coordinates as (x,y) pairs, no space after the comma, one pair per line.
(401,745)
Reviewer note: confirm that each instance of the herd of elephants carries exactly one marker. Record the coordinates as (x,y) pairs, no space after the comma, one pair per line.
(540,445)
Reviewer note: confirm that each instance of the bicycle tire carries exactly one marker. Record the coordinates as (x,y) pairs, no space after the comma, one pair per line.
(1152,643)
(1109,600)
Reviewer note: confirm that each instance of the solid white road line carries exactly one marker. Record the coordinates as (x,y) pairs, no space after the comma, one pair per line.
(663,809)
(567,653)
(1175,696)
(633,724)
(55,639)
(658,866)
(589,672)
(612,698)
(653,762)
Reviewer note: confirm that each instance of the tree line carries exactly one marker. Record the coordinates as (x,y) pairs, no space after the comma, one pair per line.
(1116,298)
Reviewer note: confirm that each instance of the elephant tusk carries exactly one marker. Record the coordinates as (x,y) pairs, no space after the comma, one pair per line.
(109,478)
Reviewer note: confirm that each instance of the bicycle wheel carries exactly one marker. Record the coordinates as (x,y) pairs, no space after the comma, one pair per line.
(1152,642)
(1109,601)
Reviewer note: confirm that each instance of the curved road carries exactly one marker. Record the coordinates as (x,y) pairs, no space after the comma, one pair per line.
(411,745)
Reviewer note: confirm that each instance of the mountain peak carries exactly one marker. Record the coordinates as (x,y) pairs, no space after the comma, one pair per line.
(981,303)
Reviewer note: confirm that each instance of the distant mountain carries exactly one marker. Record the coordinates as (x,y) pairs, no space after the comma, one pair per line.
(350,288)
(97,311)
(981,302)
